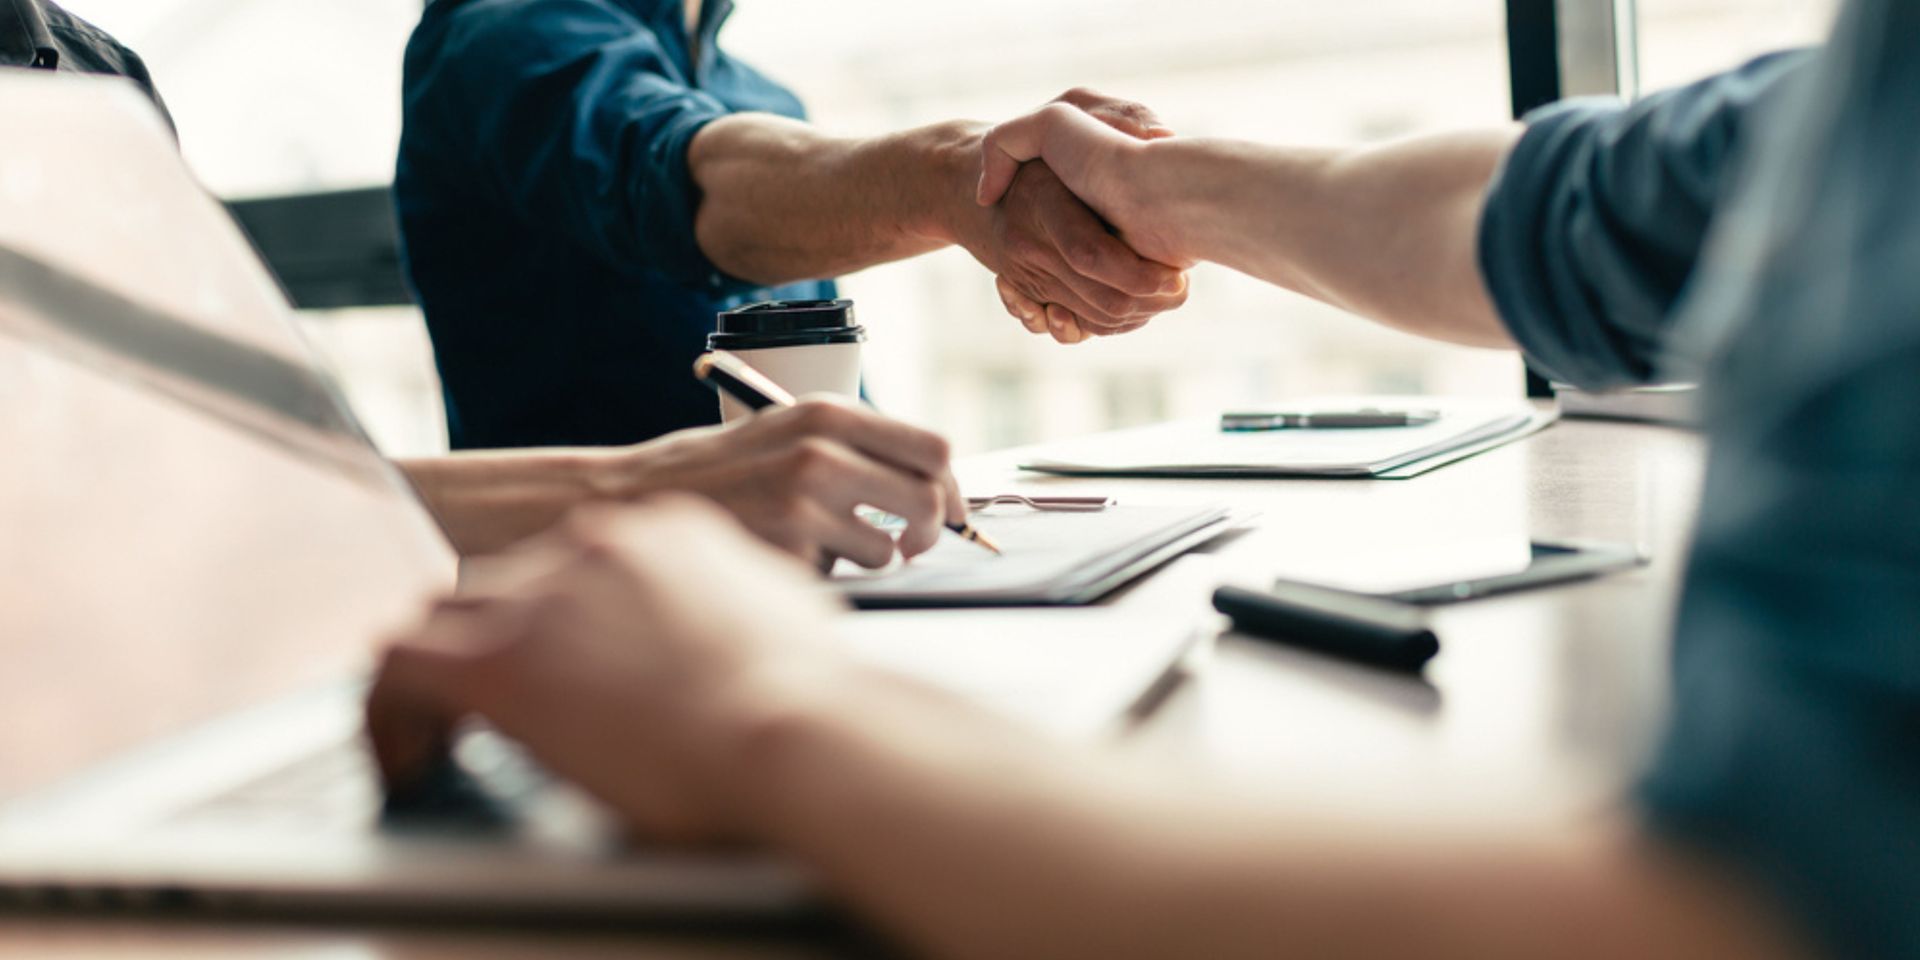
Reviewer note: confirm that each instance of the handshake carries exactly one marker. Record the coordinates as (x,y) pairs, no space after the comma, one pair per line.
(1072,257)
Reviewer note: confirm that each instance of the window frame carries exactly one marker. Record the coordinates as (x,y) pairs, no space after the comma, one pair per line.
(1569,48)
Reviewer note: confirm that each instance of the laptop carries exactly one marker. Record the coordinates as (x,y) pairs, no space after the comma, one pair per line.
(202,550)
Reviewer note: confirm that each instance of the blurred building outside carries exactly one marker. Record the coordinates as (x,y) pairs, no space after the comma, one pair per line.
(282,96)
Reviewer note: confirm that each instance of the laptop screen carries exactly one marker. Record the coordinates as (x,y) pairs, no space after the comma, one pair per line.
(191,521)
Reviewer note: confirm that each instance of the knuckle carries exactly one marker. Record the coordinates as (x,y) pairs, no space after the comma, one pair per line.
(939,448)
(930,501)
(1114,304)
(811,459)
(584,528)
(1023,248)
(876,552)
(818,416)
(1062,109)
(1085,254)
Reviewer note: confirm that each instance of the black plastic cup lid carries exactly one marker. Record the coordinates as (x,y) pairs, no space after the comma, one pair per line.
(787,316)
(776,323)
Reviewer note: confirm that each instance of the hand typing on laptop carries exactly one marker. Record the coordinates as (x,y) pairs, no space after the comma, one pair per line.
(615,648)
(792,476)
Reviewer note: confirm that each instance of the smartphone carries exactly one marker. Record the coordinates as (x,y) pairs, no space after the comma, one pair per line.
(1549,563)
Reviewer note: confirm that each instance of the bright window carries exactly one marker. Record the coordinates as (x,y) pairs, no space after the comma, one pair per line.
(1684,40)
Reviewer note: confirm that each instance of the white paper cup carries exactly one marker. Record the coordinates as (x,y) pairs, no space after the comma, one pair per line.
(805,346)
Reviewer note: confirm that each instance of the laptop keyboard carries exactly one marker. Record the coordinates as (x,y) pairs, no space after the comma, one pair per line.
(479,787)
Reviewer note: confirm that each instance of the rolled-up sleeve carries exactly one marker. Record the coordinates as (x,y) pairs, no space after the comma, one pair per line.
(569,114)
(1593,225)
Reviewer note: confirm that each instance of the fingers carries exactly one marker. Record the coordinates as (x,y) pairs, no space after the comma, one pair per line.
(846,535)
(1094,253)
(956,503)
(1057,251)
(901,445)
(845,457)
(1128,117)
(1031,313)
(1113,308)
(840,481)
(1056,319)
(1040,318)
(1065,327)
(425,685)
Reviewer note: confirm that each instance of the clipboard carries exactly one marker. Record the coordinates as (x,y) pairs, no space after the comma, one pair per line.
(1053,558)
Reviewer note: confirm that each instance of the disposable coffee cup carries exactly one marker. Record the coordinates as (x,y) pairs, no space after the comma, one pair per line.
(805,346)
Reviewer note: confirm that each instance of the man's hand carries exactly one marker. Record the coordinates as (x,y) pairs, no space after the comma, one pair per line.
(782,202)
(1059,269)
(1086,155)
(796,475)
(636,650)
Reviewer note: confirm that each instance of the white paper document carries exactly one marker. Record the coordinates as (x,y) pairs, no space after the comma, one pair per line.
(1073,673)
(1051,558)
(1199,448)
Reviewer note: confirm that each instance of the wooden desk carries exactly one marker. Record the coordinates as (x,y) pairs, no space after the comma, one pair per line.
(1540,702)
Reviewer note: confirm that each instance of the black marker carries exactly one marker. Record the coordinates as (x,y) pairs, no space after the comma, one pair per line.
(1371,630)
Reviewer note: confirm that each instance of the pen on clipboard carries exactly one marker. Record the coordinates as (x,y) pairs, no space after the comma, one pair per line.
(736,378)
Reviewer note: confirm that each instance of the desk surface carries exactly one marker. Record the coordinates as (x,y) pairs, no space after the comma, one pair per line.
(1552,696)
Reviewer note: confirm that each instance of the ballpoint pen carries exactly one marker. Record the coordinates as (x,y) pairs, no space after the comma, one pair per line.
(738,379)
(1326,420)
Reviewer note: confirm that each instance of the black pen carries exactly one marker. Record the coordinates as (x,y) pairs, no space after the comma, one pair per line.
(738,379)
(1372,630)
(1367,418)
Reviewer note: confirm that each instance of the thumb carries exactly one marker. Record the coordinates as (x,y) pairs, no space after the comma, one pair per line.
(1011,144)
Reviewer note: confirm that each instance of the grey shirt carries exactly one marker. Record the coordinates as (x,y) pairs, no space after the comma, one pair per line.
(1761,231)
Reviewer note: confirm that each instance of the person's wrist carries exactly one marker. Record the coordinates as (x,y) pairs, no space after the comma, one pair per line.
(1141,193)
(780,725)
(945,159)
(624,473)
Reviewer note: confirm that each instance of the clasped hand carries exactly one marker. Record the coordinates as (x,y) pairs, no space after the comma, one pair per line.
(1062,271)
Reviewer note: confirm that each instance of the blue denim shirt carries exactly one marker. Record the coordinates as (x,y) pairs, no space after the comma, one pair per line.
(547,213)
(1760,231)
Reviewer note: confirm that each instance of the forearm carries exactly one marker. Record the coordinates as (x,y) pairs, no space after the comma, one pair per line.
(1387,232)
(783,202)
(486,501)
(967,840)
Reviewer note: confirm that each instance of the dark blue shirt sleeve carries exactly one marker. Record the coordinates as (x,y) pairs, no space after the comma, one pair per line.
(1596,219)
(572,116)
